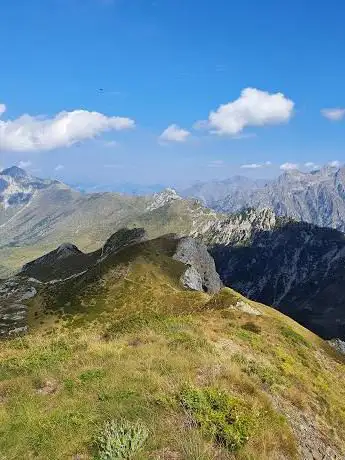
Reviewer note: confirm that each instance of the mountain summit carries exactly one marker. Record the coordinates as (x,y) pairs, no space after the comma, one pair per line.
(15,172)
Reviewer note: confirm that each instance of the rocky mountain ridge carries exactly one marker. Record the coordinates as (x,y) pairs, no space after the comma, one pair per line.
(62,267)
(317,197)
(295,267)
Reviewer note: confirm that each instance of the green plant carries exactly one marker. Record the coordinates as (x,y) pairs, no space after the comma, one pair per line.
(252,327)
(294,336)
(120,440)
(91,374)
(226,420)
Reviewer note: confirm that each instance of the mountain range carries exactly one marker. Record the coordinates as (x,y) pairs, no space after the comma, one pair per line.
(317,197)
(129,345)
(296,267)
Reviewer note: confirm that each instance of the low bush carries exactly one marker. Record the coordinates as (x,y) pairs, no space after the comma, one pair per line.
(120,440)
(226,420)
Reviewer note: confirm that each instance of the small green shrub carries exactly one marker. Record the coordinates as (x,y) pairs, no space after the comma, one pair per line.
(91,375)
(252,327)
(267,374)
(120,440)
(226,420)
(294,336)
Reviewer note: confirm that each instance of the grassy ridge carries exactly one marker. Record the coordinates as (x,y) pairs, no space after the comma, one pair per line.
(205,379)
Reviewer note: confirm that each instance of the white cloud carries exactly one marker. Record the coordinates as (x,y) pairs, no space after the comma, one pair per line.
(288,166)
(59,167)
(335,114)
(174,133)
(256,165)
(252,108)
(30,133)
(311,165)
(24,164)
(2,109)
(334,164)
(251,166)
(216,164)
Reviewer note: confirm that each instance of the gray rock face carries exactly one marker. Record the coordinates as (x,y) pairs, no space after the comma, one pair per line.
(338,345)
(317,197)
(14,293)
(296,267)
(201,274)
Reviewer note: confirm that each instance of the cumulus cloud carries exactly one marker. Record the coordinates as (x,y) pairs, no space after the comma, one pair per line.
(24,164)
(174,133)
(252,108)
(288,166)
(335,114)
(31,133)
(2,109)
(256,165)
(59,167)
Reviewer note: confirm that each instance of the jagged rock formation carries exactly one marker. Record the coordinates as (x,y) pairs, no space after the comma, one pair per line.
(338,344)
(162,198)
(201,274)
(317,197)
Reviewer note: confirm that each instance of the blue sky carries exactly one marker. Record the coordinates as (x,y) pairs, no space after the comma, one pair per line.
(170,62)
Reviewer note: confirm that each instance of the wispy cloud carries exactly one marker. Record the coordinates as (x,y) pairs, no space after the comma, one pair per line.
(334,114)
(311,165)
(24,164)
(59,167)
(256,165)
(216,164)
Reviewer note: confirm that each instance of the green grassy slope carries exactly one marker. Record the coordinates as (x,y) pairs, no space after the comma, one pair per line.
(205,377)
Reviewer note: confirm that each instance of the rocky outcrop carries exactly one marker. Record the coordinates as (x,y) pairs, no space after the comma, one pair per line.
(201,275)
(123,238)
(338,344)
(162,198)
(14,294)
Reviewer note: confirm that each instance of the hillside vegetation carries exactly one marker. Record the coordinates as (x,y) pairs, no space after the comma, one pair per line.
(125,363)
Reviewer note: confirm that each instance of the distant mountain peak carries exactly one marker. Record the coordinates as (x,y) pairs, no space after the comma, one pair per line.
(162,198)
(15,172)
